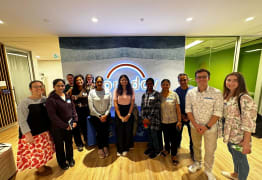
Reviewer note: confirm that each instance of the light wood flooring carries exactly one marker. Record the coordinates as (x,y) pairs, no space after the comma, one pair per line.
(137,166)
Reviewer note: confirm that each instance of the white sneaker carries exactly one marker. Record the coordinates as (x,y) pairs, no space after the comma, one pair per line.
(118,154)
(210,175)
(228,175)
(194,167)
(124,153)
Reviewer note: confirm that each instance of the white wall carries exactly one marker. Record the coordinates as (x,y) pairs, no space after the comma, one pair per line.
(50,69)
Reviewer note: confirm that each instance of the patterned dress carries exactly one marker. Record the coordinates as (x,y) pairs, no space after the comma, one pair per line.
(236,124)
(32,117)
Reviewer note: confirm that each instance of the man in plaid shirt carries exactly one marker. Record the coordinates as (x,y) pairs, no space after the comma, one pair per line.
(151,118)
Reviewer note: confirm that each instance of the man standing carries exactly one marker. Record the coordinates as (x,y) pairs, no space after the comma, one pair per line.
(204,106)
(69,86)
(182,91)
(151,118)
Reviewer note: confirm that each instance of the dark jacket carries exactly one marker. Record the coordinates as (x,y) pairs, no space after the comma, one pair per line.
(60,111)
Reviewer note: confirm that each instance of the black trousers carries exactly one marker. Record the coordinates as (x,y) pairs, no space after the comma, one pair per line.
(63,145)
(170,137)
(81,126)
(124,130)
(102,131)
(189,133)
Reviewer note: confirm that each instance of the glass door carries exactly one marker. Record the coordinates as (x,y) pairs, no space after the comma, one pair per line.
(20,70)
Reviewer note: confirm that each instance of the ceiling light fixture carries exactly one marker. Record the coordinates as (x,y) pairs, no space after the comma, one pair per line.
(37,57)
(250,19)
(1,22)
(253,50)
(189,19)
(94,20)
(193,44)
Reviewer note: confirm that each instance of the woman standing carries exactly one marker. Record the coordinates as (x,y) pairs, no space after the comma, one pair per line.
(170,120)
(35,147)
(100,106)
(124,99)
(63,118)
(240,114)
(80,99)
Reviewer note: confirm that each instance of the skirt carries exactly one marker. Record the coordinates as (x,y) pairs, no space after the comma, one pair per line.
(35,155)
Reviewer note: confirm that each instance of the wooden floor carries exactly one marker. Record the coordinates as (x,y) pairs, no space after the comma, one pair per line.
(136,165)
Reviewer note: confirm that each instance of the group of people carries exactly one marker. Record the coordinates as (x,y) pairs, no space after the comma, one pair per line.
(46,125)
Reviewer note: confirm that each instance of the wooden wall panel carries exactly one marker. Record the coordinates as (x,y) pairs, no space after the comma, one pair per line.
(8,114)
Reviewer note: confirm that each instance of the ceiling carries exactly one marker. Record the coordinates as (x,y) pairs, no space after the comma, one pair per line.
(129,17)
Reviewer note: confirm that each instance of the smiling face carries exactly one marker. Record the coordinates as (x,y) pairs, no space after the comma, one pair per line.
(232,83)
(79,81)
(165,86)
(123,81)
(150,86)
(183,81)
(202,79)
(70,79)
(99,83)
(59,87)
(37,89)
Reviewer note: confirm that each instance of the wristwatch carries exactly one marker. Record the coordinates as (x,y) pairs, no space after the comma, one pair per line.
(207,126)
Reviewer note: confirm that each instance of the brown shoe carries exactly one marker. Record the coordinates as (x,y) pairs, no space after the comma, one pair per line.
(47,171)
(174,160)
(164,153)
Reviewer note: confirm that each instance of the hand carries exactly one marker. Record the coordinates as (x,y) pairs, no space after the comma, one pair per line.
(126,118)
(202,129)
(74,125)
(29,138)
(68,128)
(246,147)
(179,125)
(122,118)
(197,127)
(103,118)
(74,98)
(146,121)
(185,119)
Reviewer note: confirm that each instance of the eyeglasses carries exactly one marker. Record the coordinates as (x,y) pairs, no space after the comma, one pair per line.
(201,77)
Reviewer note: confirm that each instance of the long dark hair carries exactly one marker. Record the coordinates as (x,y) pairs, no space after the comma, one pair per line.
(241,89)
(129,90)
(75,87)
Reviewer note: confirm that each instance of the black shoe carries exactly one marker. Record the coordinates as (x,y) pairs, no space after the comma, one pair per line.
(72,163)
(80,148)
(148,151)
(64,166)
(153,155)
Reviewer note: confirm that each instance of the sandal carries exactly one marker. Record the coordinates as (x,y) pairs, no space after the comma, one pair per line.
(164,153)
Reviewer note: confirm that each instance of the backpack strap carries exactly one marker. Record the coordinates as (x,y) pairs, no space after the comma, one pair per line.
(238,101)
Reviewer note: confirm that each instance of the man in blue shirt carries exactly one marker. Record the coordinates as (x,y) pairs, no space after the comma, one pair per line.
(182,91)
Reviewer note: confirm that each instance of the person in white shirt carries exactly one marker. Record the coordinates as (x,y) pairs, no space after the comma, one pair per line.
(204,106)
(99,101)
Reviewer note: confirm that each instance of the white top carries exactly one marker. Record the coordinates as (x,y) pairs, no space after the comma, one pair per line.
(168,108)
(99,102)
(204,104)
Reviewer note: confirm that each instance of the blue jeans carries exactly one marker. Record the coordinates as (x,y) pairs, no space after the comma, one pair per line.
(240,162)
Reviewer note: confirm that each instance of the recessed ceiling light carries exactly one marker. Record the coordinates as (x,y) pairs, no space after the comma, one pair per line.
(37,57)
(193,44)
(189,19)
(250,19)
(94,20)
(1,22)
